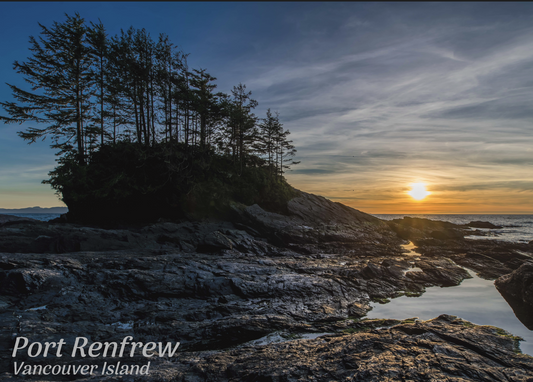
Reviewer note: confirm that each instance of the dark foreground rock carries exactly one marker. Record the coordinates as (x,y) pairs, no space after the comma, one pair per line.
(517,289)
(443,349)
(216,285)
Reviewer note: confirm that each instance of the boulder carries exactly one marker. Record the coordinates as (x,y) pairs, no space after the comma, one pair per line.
(517,288)
(482,224)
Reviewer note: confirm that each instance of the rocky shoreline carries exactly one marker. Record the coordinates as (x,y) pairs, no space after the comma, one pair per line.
(214,286)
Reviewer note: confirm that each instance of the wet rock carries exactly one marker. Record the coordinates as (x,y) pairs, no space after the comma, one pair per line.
(482,224)
(445,348)
(311,220)
(517,288)
(215,285)
(415,229)
(439,272)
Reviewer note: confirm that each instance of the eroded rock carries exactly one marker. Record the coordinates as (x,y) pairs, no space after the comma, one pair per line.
(517,288)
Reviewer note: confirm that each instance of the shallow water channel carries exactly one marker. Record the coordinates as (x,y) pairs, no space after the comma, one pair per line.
(476,300)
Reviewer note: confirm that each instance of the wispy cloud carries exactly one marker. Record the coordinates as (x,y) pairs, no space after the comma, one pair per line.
(450,104)
(376,95)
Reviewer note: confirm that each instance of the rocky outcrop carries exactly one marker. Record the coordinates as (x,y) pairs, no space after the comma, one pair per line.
(314,223)
(415,229)
(517,288)
(216,285)
(482,224)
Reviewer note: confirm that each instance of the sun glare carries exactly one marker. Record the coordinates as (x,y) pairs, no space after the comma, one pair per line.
(418,191)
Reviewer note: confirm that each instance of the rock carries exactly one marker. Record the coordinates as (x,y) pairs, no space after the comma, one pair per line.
(481,224)
(517,288)
(313,223)
(415,229)
(216,285)
(213,242)
(445,348)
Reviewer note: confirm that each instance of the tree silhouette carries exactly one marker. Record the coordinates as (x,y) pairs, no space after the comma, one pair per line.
(61,84)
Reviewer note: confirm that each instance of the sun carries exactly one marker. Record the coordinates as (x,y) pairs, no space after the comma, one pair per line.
(418,191)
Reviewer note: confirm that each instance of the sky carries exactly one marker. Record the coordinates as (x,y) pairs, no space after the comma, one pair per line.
(377,96)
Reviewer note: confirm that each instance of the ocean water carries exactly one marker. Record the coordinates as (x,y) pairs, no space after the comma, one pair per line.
(515,228)
(476,300)
(42,217)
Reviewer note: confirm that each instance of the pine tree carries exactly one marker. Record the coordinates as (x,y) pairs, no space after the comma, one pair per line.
(287,153)
(269,129)
(204,100)
(59,75)
(242,122)
(97,39)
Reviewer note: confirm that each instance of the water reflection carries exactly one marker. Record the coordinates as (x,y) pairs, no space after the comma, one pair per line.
(475,300)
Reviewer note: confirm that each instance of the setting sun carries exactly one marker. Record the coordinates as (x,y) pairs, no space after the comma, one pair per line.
(418,191)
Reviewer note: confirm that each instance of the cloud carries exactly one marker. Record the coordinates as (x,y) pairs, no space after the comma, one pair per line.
(377,95)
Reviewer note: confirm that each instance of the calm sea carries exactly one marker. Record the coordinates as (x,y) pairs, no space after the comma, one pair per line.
(516,228)
(43,217)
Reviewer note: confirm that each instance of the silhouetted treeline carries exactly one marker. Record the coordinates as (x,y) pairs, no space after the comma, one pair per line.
(90,89)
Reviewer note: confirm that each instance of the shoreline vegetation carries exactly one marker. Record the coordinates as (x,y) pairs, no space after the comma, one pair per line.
(135,127)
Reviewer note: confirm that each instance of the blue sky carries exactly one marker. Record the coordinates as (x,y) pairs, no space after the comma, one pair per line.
(376,95)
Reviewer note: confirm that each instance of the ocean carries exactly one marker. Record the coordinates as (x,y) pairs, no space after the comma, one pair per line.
(42,217)
(515,228)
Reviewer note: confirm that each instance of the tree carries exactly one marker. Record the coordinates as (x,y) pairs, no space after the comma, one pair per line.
(97,40)
(241,122)
(269,129)
(164,75)
(163,116)
(59,75)
(204,100)
(287,152)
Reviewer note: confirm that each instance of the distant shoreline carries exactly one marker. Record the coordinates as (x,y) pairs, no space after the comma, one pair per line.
(34,210)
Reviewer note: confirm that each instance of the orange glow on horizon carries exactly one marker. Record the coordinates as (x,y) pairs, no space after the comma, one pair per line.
(392,196)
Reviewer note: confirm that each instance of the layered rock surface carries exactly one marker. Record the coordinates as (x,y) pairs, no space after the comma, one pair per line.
(443,349)
(217,285)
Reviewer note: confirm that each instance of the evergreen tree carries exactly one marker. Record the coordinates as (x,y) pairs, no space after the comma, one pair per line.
(269,129)
(241,123)
(287,152)
(97,40)
(177,139)
(164,75)
(60,78)
(204,100)
(123,86)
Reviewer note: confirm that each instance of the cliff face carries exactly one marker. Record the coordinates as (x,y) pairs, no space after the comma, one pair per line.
(214,285)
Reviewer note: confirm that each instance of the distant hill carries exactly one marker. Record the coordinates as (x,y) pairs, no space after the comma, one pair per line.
(34,210)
